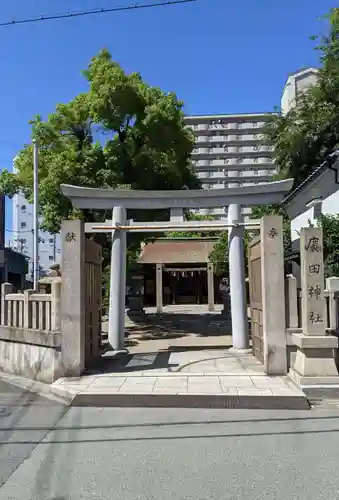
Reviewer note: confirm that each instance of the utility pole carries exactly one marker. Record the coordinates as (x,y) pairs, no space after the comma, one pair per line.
(35,215)
(54,248)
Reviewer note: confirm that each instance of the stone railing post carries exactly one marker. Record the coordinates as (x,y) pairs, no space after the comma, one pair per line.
(159,287)
(5,289)
(315,358)
(210,286)
(27,309)
(332,285)
(56,305)
(291,302)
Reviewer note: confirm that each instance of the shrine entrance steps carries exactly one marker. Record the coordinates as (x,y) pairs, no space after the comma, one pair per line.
(181,377)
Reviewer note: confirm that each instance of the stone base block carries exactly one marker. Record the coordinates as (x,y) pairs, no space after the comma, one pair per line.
(314,341)
(315,360)
(236,350)
(34,362)
(309,382)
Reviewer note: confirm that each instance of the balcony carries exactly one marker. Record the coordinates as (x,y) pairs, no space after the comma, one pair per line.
(201,126)
(201,151)
(202,163)
(202,139)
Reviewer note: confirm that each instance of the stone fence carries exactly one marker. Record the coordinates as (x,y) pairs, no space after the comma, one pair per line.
(293,304)
(39,311)
(30,337)
(295,327)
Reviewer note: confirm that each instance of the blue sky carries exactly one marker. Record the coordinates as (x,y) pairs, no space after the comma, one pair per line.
(219,56)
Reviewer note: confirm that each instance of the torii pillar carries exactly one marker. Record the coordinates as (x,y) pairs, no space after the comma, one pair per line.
(240,336)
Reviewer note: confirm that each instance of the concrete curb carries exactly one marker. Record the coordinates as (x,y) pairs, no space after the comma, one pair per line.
(57,393)
(191,401)
(39,388)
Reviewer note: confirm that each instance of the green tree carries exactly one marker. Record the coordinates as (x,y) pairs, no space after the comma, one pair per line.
(122,132)
(330,226)
(194,234)
(219,255)
(304,137)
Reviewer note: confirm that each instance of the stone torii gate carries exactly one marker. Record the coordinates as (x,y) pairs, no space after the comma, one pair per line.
(176,201)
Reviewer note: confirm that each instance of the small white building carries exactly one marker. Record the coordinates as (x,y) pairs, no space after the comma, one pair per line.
(318,194)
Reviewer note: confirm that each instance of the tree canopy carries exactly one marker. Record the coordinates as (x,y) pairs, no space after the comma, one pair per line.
(330,226)
(121,133)
(305,137)
(219,255)
(190,216)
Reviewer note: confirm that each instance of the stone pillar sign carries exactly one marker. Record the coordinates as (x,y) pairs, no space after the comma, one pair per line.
(312,281)
(314,363)
(273,295)
(73,297)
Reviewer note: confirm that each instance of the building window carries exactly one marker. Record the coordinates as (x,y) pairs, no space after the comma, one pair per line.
(50,257)
(255,160)
(23,224)
(51,240)
(23,208)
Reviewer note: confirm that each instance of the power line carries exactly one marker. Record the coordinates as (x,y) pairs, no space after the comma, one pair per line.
(50,17)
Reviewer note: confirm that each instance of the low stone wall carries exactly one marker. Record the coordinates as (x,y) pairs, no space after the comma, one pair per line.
(31,353)
(291,348)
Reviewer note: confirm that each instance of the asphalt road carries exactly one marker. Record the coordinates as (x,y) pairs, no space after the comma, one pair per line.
(52,452)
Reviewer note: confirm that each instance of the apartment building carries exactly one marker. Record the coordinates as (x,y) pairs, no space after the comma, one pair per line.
(22,238)
(296,84)
(231,151)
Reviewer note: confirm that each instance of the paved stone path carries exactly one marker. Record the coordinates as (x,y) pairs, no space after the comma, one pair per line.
(189,325)
(192,376)
(180,358)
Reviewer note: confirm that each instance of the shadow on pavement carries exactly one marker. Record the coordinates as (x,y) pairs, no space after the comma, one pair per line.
(132,363)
